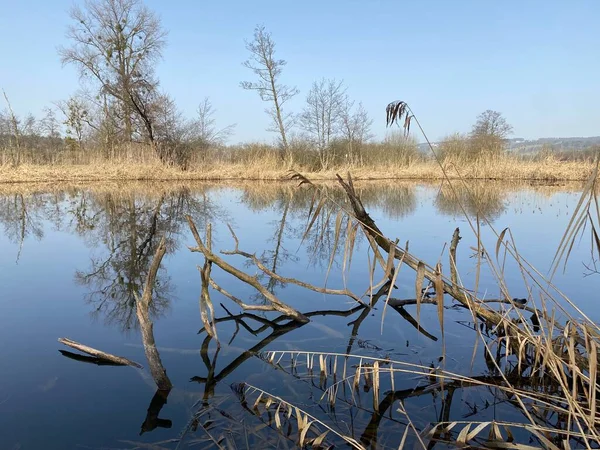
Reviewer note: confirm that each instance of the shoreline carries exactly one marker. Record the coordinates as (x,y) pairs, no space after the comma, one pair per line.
(128,171)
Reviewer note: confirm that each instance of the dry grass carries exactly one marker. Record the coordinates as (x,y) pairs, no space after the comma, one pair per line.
(268,167)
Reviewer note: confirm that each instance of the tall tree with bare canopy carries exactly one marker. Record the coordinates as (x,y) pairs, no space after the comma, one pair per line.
(490,132)
(268,69)
(114,44)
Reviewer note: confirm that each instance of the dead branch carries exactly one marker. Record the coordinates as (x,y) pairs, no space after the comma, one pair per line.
(286,280)
(453,245)
(207,312)
(411,320)
(151,277)
(276,304)
(463,296)
(371,229)
(397,302)
(142,306)
(152,421)
(88,359)
(118,360)
(240,303)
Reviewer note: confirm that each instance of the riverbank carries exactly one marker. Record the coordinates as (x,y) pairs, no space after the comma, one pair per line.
(503,168)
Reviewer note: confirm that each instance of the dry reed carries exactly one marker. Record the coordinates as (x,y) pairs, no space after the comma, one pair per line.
(499,168)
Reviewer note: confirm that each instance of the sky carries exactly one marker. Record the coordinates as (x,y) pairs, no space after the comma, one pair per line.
(537,61)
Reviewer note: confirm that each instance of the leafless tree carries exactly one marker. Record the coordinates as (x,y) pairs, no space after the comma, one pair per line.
(147,102)
(50,129)
(30,127)
(204,128)
(355,129)
(268,69)
(490,132)
(322,117)
(5,130)
(14,129)
(76,112)
(108,123)
(114,43)
(49,125)
(172,133)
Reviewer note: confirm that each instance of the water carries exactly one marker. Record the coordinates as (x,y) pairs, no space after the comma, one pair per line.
(72,261)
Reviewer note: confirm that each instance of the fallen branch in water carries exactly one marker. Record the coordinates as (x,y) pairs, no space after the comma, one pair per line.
(119,360)
(371,229)
(275,303)
(159,374)
(89,359)
(286,280)
(410,301)
(207,313)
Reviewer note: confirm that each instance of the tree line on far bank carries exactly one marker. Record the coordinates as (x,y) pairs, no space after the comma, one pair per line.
(120,106)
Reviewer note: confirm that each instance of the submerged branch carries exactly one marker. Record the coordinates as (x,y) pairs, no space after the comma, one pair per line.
(286,280)
(240,303)
(89,359)
(207,312)
(371,229)
(159,374)
(410,319)
(397,302)
(276,304)
(118,360)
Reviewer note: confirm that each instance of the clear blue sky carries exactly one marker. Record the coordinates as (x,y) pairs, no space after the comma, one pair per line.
(537,62)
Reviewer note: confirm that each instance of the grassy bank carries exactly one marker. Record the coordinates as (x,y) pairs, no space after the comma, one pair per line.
(269,167)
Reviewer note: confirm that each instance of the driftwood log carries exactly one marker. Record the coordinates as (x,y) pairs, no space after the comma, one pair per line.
(99,354)
(88,359)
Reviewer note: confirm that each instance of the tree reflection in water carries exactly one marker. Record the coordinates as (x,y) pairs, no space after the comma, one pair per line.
(479,199)
(125,230)
(128,229)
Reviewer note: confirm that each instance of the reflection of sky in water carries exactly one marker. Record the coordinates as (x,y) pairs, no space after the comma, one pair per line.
(48,401)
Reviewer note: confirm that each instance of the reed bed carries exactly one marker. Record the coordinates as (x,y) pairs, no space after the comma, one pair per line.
(266,165)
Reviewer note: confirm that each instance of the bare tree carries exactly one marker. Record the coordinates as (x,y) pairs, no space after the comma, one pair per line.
(49,125)
(30,127)
(147,101)
(322,117)
(114,43)
(490,132)
(50,128)
(204,129)
(268,69)
(76,113)
(171,132)
(5,131)
(355,129)
(14,129)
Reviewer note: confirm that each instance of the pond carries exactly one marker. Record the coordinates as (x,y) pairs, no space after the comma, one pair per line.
(74,262)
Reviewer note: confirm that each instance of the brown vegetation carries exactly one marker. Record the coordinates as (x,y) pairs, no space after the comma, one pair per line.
(262,162)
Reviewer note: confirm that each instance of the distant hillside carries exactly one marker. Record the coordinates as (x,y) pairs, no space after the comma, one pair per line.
(524,146)
(520,145)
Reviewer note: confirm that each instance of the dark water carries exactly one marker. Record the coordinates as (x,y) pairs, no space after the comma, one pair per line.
(72,262)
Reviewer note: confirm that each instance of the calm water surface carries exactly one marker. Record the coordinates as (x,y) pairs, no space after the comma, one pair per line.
(73,260)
